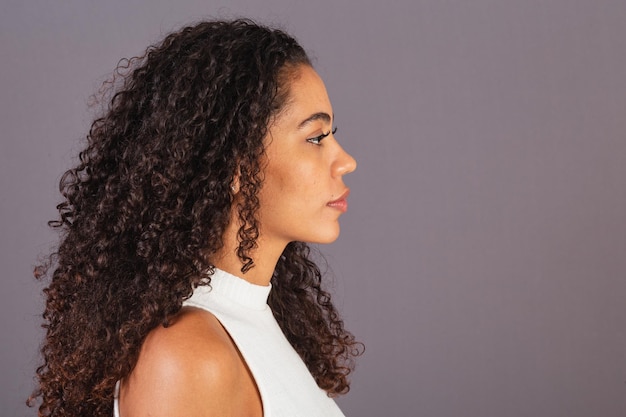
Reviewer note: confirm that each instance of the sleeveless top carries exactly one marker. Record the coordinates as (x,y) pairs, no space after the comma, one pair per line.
(286,386)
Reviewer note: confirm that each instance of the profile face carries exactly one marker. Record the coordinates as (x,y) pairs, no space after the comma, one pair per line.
(303,194)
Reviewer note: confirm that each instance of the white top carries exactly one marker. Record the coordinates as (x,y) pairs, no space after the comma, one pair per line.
(286,386)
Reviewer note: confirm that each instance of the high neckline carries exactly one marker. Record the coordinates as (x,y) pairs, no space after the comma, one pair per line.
(239,290)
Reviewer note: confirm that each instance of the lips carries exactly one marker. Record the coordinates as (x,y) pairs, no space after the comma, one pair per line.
(341,203)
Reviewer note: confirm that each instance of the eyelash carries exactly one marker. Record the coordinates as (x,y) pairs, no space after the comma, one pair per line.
(318,139)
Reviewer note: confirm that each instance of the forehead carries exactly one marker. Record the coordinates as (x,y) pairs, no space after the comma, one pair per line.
(307,96)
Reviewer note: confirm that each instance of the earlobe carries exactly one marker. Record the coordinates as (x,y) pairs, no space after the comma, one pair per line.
(235,184)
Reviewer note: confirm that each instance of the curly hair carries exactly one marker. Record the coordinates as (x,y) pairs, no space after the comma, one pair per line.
(149,201)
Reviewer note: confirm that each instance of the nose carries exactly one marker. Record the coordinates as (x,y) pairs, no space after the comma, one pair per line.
(344,163)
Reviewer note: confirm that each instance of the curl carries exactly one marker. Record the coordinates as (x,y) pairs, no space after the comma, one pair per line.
(147,205)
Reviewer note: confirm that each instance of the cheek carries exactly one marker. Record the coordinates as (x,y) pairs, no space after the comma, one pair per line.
(277,188)
(303,183)
(293,177)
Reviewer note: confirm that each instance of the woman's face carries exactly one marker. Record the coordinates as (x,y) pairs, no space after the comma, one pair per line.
(303,193)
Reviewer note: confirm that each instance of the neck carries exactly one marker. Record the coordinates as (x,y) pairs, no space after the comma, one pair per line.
(265,256)
(260,273)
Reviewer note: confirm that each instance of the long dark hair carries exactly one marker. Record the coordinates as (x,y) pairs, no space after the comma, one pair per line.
(148,203)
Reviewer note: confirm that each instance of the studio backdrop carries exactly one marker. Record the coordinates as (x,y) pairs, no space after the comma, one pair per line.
(483,257)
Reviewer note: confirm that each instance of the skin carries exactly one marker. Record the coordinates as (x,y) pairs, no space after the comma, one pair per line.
(193,368)
(300,179)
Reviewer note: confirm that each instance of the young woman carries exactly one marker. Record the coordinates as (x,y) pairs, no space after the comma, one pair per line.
(182,285)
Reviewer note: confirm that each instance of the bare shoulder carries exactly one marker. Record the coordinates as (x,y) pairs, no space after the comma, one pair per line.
(190,368)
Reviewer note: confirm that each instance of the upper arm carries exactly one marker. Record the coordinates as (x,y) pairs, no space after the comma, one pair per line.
(187,369)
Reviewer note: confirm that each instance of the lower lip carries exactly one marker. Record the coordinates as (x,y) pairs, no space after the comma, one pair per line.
(341,205)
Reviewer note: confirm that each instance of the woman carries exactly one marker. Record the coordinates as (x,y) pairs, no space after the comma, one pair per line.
(214,162)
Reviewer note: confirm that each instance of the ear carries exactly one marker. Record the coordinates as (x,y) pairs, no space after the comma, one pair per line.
(235,183)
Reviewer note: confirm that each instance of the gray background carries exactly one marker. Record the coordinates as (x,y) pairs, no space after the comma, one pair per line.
(482,260)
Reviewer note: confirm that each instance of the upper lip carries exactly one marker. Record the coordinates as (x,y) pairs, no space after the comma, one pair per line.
(343,196)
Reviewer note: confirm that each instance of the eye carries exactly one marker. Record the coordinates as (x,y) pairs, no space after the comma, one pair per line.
(318,139)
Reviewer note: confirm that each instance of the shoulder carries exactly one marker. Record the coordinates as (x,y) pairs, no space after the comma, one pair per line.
(189,368)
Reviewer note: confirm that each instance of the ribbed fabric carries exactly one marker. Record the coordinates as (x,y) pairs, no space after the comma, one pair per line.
(287,388)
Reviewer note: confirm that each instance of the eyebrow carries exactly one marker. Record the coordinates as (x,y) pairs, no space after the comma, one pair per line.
(316,116)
